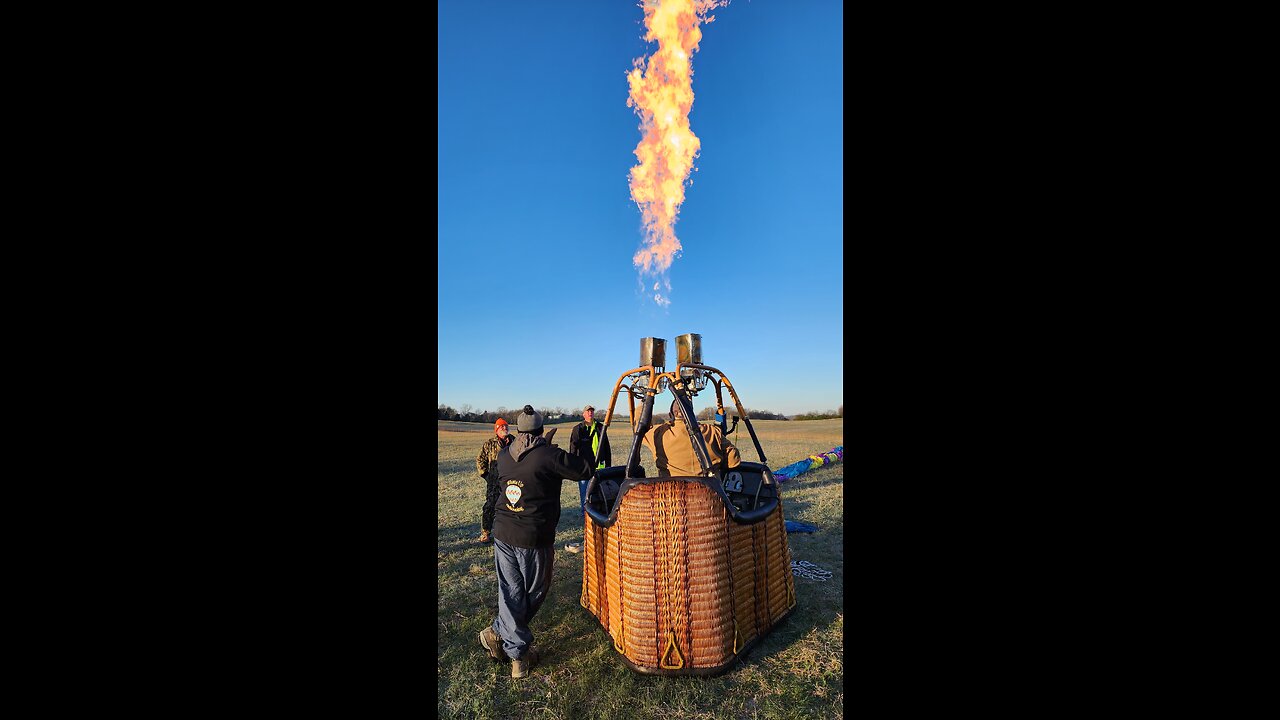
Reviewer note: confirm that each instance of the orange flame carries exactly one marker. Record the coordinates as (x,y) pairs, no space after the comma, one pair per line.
(662,95)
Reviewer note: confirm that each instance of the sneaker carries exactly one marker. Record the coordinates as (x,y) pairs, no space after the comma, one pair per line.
(573,547)
(520,668)
(492,644)
(485,537)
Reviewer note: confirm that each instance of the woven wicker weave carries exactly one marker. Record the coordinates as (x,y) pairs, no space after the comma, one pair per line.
(680,586)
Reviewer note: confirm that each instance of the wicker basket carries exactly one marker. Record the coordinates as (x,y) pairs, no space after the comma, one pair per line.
(680,577)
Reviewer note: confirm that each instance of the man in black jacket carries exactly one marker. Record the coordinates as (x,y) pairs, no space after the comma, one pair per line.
(588,442)
(529,473)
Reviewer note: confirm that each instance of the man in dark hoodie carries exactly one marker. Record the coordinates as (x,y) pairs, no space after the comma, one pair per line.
(530,473)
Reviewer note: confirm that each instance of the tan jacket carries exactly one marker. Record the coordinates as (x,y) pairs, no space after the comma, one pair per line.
(673,450)
(488,456)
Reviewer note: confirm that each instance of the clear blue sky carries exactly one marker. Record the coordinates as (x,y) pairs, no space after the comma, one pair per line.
(539,302)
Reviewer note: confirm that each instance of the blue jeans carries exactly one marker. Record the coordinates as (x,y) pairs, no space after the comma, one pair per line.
(524,579)
(582,497)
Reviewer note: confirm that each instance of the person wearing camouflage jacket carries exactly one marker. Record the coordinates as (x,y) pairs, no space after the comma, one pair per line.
(485,466)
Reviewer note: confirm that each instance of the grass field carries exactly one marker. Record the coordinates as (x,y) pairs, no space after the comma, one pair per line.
(796,671)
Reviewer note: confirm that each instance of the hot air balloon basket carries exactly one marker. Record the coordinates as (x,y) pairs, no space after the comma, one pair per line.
(684,576)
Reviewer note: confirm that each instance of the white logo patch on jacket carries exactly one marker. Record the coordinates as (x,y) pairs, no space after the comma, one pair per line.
(513,494)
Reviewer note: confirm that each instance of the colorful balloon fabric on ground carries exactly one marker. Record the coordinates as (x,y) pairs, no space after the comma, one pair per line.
(834,455)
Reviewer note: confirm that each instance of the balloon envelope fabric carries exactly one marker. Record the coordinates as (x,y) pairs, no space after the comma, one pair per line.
(834,455)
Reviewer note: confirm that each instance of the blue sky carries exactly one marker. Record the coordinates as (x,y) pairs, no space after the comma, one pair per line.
(539,302)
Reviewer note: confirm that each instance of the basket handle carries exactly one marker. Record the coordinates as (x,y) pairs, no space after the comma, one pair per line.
(757,513)
(596,517)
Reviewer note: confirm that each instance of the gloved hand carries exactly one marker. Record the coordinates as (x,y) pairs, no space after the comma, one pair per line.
(719,418)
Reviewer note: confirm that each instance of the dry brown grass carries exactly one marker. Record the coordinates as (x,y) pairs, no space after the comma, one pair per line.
(796,671)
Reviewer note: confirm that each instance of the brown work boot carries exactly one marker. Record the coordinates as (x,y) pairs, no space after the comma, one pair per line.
(492,644)
(520,668)
(484,537)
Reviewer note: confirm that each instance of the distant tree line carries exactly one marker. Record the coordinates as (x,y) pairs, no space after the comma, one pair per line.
(708,413)
(559,414)
(837,413)
(467,414)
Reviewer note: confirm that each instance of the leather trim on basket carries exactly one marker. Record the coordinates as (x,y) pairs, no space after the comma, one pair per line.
(748,517)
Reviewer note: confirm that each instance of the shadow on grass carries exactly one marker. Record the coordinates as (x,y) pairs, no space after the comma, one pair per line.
(802,482)
(464,466)
(570,636)
(566,632)
(790,672)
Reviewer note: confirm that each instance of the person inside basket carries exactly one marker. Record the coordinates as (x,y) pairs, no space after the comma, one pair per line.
(530,472)
(672,447)
(485,462)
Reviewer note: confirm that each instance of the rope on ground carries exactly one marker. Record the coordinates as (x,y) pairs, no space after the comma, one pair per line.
(809,571)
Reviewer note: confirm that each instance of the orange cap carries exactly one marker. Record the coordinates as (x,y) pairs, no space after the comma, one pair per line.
(499,423)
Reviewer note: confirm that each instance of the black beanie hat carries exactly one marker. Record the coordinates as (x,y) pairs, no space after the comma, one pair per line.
(529,420)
